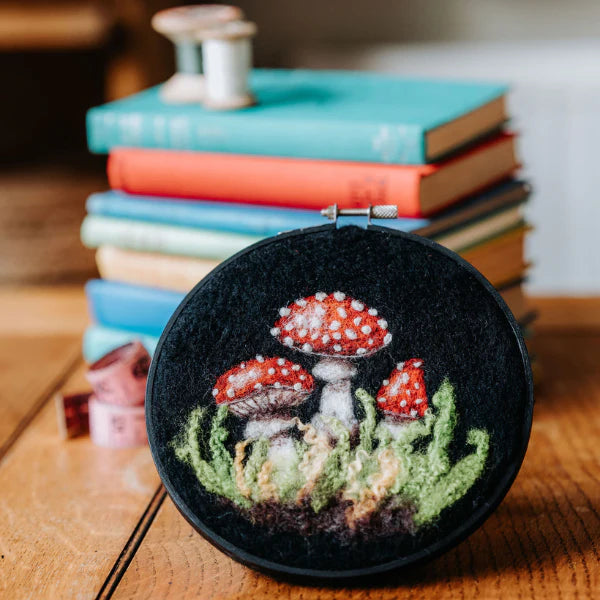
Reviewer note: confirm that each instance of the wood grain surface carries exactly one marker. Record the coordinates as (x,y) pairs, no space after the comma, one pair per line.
(40,341)
(78,521)
(543,541)
(67,509)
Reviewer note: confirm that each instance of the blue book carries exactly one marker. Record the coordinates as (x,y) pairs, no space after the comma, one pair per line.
(142,310)
(234,218)
(261,221)
(333,115)
(99,340)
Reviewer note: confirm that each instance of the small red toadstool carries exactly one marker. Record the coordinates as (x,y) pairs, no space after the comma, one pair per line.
(340,329)
(263,390)
(403,397)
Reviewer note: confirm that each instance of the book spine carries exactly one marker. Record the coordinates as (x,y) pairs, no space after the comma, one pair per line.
(303,184)
(167,239)
(218,216)
(177,273)
(131,307)
(99,341)
(330,140)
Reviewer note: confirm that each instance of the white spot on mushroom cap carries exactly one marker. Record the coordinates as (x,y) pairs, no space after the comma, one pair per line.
(382,323)
(418,400)
(339,296)
(366,329)
(351,334)
(315,335)
(417,386)
(320,296)
(215,392)
(289,326)
(325,338)
(404,378)
(385,382)
(342,312)
(382,399)
(257,385)
(403,403)
(281,361)
(277,385)
(230,393)
(307,348)
(275,331)
(297,386)
(302,377)
(285,372)
(296,367)
(356,305)
(388,338)
(361,351)
(284,311)
(301,302)
(337,335)
(303,332)
(260,358)
(334,325)
(417,364)
(400,366)
(372,312)
(337,347)
(271,371)
(413,413)
(357,321)
(288,341)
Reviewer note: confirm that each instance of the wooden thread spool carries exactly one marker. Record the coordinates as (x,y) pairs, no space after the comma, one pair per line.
(181,25)
(227,59)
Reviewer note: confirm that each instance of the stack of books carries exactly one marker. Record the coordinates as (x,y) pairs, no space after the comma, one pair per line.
(191,187)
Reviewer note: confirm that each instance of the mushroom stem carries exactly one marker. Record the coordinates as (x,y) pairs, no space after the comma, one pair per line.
(282,452)
(268,427)
(336,397)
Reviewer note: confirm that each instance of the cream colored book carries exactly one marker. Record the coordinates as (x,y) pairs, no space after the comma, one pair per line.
(178,273)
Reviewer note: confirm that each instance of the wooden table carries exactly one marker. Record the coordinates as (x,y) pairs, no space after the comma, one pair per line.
(77,521)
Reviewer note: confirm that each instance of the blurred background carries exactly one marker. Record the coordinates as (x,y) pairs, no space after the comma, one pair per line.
(60,58)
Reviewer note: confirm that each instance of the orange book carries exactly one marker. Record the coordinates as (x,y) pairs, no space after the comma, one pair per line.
(417,190)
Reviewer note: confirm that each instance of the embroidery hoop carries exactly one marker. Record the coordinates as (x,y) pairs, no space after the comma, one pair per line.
(443,544)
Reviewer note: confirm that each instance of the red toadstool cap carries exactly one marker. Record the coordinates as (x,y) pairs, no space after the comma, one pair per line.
(404,394)
(332,325)
(263,385)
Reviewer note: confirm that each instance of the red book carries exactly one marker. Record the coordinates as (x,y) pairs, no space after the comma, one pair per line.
(417,190)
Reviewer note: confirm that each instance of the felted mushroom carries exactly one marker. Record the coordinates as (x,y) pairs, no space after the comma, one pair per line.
(403,397)
(263,390)
(340,329)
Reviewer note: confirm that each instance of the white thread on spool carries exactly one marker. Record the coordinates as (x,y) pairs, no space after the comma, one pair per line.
(227,59)
(181,25)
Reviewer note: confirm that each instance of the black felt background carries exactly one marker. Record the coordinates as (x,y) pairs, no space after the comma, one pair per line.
(436,310)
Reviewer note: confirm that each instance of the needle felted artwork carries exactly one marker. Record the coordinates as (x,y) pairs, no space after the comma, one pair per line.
(338,401)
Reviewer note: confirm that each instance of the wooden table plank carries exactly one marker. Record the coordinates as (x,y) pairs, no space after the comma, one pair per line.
(543,542)
(67,509)
(40,333)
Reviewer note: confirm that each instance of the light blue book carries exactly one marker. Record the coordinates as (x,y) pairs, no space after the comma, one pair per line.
(335,115)
(234,218)
(136,308)
(99,340)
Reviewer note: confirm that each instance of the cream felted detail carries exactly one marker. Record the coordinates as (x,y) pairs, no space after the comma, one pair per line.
(380,484)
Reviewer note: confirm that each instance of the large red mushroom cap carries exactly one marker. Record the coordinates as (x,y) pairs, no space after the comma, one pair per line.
(332,325)
(263,385)
(403,395)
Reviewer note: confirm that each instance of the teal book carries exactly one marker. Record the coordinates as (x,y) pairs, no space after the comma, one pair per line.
(332,115)
(99,341)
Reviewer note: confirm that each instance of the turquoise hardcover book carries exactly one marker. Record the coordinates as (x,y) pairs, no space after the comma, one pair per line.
(334,115)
